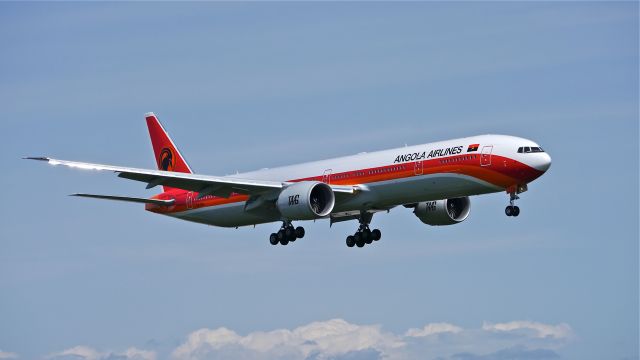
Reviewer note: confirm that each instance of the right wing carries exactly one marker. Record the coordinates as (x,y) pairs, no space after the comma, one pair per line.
(202,184)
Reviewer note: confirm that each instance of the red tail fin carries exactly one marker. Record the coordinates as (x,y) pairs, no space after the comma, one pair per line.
(168,156)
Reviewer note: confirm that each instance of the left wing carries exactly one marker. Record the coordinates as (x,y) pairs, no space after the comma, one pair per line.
(129,199)
(203,184)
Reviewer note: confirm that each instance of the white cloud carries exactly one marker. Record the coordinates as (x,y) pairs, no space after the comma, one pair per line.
(83,352)
(432,329)
(538,330)
(320,340)
(338,339)
(8,355)
(88,353)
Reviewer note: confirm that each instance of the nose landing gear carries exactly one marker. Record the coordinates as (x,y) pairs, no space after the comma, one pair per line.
(512,210)
(286,234)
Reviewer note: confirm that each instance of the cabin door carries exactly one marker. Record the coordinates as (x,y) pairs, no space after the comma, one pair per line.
(190,200)
(326,177)
(418,167)
(485,156)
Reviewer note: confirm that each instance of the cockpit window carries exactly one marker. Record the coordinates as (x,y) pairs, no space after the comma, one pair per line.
(530,149)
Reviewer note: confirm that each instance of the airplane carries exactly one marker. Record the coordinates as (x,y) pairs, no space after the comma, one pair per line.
(434,179)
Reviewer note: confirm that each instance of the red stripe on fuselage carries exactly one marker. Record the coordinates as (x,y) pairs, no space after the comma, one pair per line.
(502,172)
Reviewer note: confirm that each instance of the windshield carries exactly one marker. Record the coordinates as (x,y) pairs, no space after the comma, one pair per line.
(530,149)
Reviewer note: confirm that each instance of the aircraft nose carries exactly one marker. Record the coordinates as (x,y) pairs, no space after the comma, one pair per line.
(544,162)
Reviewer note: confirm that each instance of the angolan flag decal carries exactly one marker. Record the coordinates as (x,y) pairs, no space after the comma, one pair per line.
(473,147)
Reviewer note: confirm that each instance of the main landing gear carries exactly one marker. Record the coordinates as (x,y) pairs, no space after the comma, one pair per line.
(286,234)
(512,210)
(364,235)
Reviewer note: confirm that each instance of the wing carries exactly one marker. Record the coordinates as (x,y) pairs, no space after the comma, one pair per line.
(128,199)
(203,184)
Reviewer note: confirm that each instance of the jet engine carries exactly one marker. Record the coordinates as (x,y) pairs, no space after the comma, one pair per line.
(443,212)
(306,200)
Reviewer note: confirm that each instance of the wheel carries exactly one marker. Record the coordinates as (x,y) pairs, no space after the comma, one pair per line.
(376,234)
(516,211)
(299,232)
(350,241)
(281,235)
(508,211)
(289,232)
(273,239)
(366,236)
(359,239)
(284,241)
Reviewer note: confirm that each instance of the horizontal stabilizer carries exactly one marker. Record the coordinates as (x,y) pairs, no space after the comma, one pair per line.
(129,199)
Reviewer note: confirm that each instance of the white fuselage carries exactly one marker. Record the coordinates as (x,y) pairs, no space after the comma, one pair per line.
(412,174)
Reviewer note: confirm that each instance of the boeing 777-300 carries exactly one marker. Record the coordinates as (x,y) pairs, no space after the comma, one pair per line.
(434,179)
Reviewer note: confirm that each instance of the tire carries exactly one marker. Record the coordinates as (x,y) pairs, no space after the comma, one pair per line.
(284,241)
(289,233)
(376,234)
(299,232)
(366,236)
(273,239)
(358,238)
(350,241)
(280,235)
(516,211)
(508,211)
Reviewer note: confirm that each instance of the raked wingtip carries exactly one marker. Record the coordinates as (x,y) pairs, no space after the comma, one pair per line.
(39,158)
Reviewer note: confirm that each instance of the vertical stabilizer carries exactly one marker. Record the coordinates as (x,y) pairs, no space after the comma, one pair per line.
(168,157)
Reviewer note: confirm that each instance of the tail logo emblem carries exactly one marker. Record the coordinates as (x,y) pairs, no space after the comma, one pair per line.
(166,161)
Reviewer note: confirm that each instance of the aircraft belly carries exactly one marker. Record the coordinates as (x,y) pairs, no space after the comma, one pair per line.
(416,189)
(379,195)
(230,215)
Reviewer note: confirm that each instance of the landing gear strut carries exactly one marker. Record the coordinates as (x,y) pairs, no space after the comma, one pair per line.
(364,235)
(512,210)
(286,234)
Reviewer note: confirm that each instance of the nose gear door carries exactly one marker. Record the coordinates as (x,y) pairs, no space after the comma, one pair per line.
(485,156)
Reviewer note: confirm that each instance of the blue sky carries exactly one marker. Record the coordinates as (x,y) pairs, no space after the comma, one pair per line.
(242,86)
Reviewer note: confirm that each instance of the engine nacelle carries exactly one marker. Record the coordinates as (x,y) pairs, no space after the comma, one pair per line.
(443,212)
(306,200)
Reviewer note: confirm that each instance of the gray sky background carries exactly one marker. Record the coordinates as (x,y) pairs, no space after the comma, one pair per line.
(242,86)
